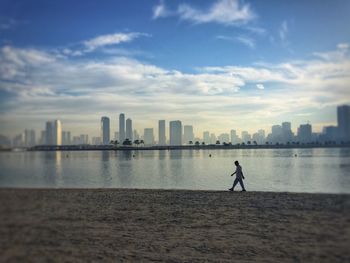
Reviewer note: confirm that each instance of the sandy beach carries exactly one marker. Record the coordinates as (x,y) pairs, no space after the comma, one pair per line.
(88,225)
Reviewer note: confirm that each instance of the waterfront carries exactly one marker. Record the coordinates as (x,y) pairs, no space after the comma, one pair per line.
(324,170)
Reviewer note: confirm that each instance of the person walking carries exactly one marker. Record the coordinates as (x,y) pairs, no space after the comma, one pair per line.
(239,177)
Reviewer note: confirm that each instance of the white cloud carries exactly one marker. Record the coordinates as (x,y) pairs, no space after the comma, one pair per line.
(111,39)
(247,41)
(260,86)
(160,10)
(283,30)
(79,91)
(227,12)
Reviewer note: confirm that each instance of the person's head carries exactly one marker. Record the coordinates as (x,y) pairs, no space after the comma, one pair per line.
(236,163)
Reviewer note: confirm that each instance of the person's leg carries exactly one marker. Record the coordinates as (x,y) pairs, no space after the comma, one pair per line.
(241,183)
(235,183)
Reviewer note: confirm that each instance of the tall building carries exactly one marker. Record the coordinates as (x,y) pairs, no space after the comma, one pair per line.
(212,138)
(84,139)
(234,137)
(148,136)
(57,132)
(49,133)
(246,137)
(121,128)
(276,135)
(161,132)
(105,129)
(129,134)
(96,140)
(175,133)
(66,138)
(206,137)
(287,133)
(42,140)
(29,138)
(305,133)
(116,136)
(188,134)
(343,115)
(224,138)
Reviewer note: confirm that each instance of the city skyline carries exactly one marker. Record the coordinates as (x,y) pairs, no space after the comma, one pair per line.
(211,64)
(178,133)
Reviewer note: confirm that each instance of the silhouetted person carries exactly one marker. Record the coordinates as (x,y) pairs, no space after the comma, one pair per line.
(239,177)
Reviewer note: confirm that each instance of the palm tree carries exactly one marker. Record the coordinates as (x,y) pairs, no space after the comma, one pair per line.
(137,142)
(190,142)
(217,142)
(197,143)
(142,142)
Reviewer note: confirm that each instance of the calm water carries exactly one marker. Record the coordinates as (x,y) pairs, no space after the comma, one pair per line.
(313,170)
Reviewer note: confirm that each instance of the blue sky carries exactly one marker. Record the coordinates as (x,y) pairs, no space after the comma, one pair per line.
(218,65)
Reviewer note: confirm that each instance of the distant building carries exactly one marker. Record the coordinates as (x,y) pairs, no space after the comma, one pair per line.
(96,140)
(287,134)
(206,137)
(148,136)
(213,138)
(57,132)
(121,127)
(343,115)
(49,133)
(188,134)
(234,137)
(18,140)
(329,133)
(105,130)
(161,132)
(246,137)
(129,134)
(305,133)
(84,139)
(224,138)
(66,138)
(76,140)
(175,133)
(29,138)
(5,141)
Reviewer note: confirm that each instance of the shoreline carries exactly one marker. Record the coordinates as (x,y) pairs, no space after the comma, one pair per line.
(173,225)
(168,148)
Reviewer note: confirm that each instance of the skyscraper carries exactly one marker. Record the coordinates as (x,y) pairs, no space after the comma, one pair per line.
(305,133)
(206,137)
(121,128)
(188,134)
(105,129)
(343,115)
(161,132)
(175,133)
(129,134)
(57,132)
(234,137)
(66,138)
(49,133)
(29,138)
(287,132)
(148,136)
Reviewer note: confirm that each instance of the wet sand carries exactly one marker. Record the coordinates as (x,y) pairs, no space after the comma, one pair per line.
(88,225)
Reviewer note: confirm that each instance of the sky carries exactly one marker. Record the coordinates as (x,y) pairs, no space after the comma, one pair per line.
(217,65)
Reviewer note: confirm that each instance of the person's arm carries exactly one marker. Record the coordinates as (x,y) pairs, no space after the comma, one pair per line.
(233,173)
(242,175)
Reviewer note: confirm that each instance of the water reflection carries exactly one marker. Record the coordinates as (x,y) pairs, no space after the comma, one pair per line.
(298,170)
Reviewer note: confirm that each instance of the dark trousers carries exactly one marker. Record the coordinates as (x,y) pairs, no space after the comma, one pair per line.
(240,181)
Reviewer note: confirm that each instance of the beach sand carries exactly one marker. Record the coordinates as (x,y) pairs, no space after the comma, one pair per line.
(88,225)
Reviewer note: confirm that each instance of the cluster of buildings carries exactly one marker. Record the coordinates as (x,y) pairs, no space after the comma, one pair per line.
(179,134)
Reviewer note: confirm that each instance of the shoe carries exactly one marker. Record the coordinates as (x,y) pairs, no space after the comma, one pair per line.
(231,189)
(243,190)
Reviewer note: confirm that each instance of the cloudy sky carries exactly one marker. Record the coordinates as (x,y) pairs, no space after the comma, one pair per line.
(217,65)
